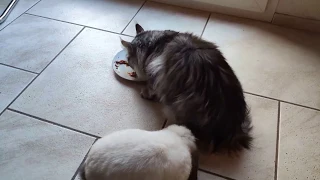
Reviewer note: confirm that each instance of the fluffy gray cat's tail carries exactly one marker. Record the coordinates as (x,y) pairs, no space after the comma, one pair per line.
(82,172)
(241,139)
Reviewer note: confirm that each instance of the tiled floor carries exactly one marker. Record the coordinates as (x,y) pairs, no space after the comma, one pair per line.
(58,92)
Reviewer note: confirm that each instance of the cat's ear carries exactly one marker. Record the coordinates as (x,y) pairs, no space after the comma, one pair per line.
(139,29)
(126,44)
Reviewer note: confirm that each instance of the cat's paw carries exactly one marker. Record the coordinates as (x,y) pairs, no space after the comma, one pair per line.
(145,94)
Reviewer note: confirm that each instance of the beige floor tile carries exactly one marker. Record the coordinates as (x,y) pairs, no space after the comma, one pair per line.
(20,7)
(299,154)
(259,163)
(270,60)
(35,150)
(156,16)
(79,89)
(12,82)
(112,15)
(31,42)
(224,30)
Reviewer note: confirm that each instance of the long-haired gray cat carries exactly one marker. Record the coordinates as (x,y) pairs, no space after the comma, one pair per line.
(198,88)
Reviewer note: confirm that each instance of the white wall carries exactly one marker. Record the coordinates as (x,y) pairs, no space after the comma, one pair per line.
(300,8)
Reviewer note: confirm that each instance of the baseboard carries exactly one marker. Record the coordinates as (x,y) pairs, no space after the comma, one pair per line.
(296,22)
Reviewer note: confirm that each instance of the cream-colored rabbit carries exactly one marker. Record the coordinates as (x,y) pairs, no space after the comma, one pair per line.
(134,154)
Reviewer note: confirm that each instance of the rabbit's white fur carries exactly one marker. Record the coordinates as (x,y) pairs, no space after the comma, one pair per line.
(135,154)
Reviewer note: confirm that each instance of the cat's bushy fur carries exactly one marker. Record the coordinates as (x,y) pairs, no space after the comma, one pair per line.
(191,77)
(133,154)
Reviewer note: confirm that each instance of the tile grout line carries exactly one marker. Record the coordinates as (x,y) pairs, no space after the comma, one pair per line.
(83,160)
(205,26)
(274,13)
(164,123)
(20,15)
(108,31)
(41,71)
(53,19)
(53,123)
(77,24)
(283,101)
(271,22)
(277,143)
(134,16)
(18,68)
(218,175)
(258,6)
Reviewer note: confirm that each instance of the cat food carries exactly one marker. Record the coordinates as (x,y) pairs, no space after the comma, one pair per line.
(122,62)
(132,74)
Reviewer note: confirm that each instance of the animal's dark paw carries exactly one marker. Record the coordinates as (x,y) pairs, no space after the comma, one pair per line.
(145,94)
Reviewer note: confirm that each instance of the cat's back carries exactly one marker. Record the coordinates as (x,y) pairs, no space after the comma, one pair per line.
(189,44)
(188,54)
(138,154)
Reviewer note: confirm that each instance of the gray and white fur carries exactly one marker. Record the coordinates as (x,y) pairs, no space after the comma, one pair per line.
(198,88)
